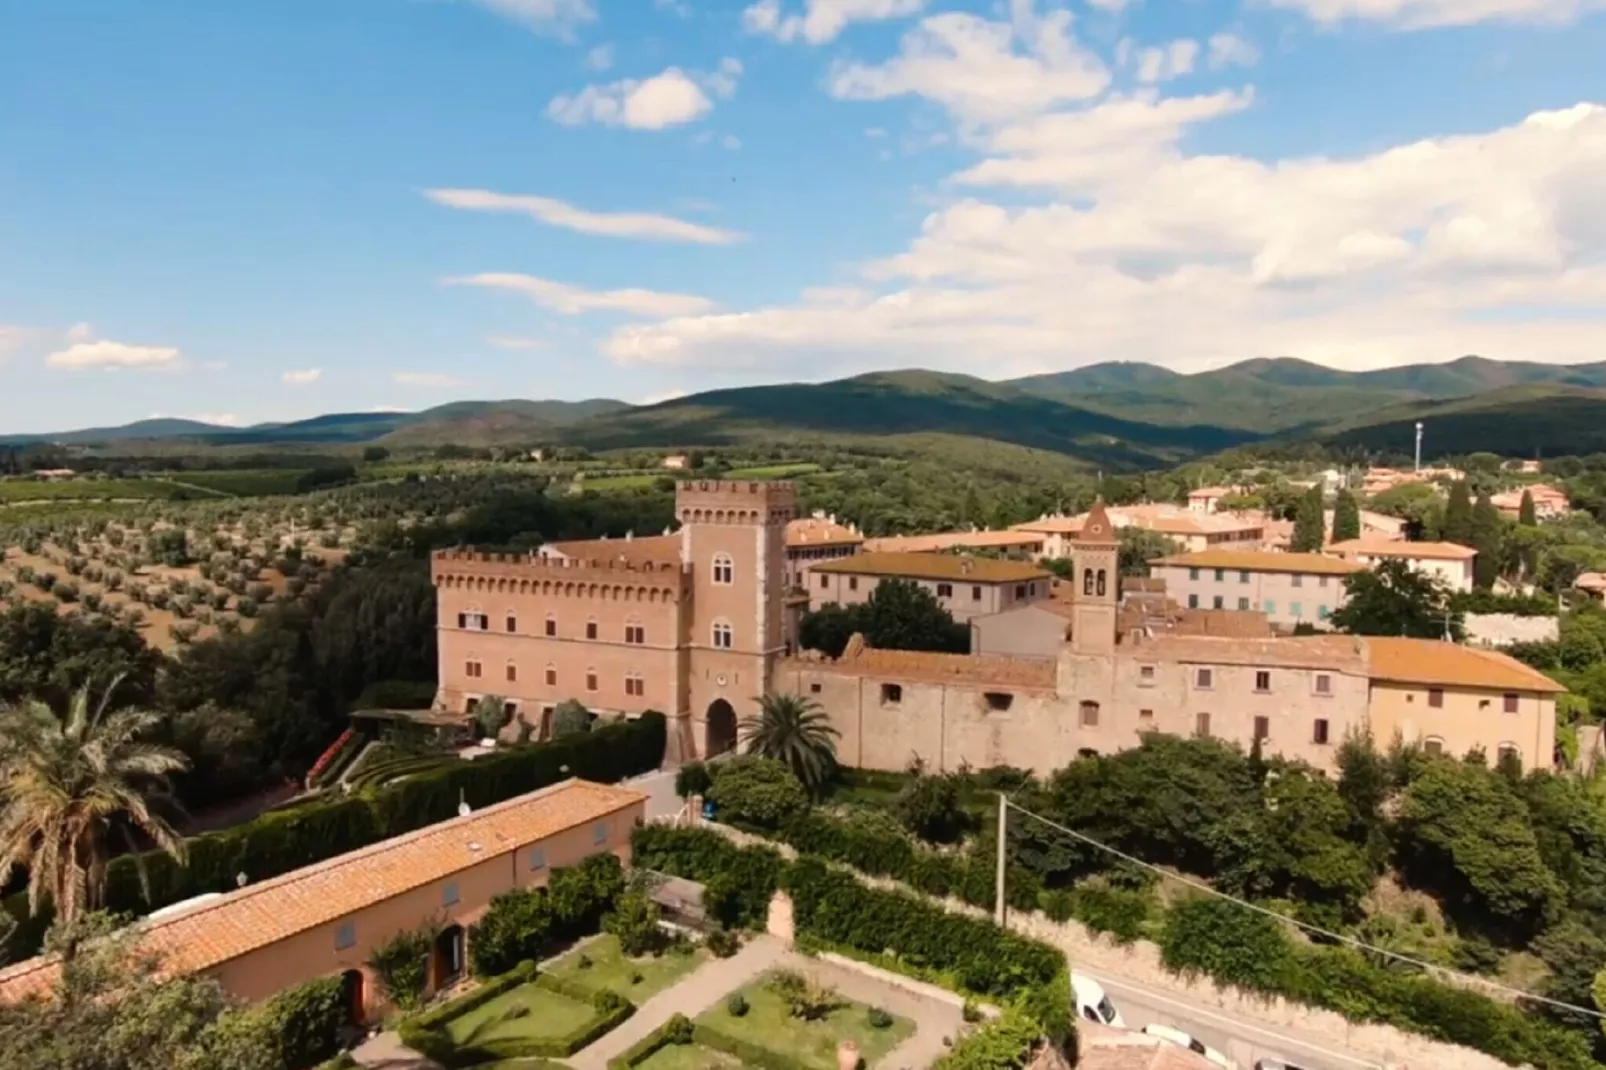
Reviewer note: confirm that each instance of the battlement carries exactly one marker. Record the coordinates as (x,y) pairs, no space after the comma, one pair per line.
(731,501)
(529,573)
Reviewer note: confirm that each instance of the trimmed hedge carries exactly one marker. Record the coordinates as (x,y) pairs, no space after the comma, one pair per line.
(427,1035)
(745,1053)
(677,1029)
(737,882)
(279,841)
(483,993)
(1005,1043)
(305,1022)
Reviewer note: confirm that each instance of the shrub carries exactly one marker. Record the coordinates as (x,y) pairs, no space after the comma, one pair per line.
(804,999)
(304,1022)
(677,1030)
(878,1018)
(929,807)
(570,718)
(525,924)
(1117,911)
(634,921)
(1230,943)
(691,779)
(736,1004)
(401,964)
(1005,1043)
(737,883)
(757,792)
(724,943)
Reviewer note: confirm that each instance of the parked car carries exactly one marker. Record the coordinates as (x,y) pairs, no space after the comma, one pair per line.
(1183,1040)
(1092,1003)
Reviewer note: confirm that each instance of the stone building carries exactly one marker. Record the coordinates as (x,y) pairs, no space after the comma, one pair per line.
(1449,562)
(1289,588)
(965,586)
(813,539)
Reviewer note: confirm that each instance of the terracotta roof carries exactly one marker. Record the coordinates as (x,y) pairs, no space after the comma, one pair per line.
(895,665)
(1051,525)
(953,540)
(1591,581)
(934,567)
(261,914)
(1164,518)
(1210,492)
(654,548)
(819,531)
(1259,561)
(1339,653)
(1433,661)
(1426,551)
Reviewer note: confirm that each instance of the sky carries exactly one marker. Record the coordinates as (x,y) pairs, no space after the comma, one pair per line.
(268,209)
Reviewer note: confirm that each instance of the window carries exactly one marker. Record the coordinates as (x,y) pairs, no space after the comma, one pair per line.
(1508,752)
(1193,573)
(1262,680)
(1322,684)
(1321,581)
(1201,724)
(1322,612)
(551,625)
(1243,576)
(825,581)
(1193,601)
(1319,733)
(635,632)
(591,628)
(975,593)
(1298,581)
(537,858)
(1433,745)
(462,620)
(814,689)
(724,569)
(722,635)
(1217,602)
(1204,679)
(1510,702)
(1269,606)
(635,685)
(1146,716)
(1087,581)
(1243,604)
(1146,675)
(1262,728)
(512,623)
(891,694)
(512,673)
(1436,698)
(346,935)
(472,669)
(853,583)
(1221,574)
(1020,591)
(551,676)
(1090,715)
(449,894)
(1101,583)
(591,679)
(945,590)
(599,833)
(1295,609)
(998,700)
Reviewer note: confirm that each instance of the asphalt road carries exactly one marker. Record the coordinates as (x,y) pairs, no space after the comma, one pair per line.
(1241,1041)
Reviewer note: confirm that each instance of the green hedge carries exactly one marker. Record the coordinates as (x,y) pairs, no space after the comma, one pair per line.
(738,882)
(305,1022)
(483,993)
(745,1053)
(677,1029)
(426,1033)
(280,841)
(1005,1043)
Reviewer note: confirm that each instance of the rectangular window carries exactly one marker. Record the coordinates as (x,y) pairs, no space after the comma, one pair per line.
(1295,610)
(599,833)
(512,673)
(1262,728)
(1262,680)
(853,583)
(1510,701)
(1319,732)
(1146,716)
(1298,580)
(1321,581)
(998,701)
(1243,604)
(975,593)
(552,626)
(462,620)
(634,685)
(1221,575)
(591,629)
(825,581)
(1090,715)
(552,678)
(1269,606)
(1193,601)
(814,689)
(1436,697)
(1146,675)
(1322,612)
(635,634)
(513,624)
(485,622)
(1243,576)
(1201,724)
(1323,684)
(1193,573)
(1217,602)
(945,590)
(891,694)
(537,858)
(591,681)
(1204,679)
(449,895)
(473,669)
(346,935)
(1020,591)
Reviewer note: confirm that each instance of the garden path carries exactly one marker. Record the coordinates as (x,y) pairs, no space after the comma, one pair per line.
(385,1051)
(933,1019)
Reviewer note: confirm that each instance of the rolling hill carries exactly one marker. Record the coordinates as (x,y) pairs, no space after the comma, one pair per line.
(1532,420)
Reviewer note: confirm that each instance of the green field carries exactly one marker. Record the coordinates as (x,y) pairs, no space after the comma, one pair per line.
(68,490)
(769,1024)
(526,1012)
(773,471)
(631,482)
(245,483)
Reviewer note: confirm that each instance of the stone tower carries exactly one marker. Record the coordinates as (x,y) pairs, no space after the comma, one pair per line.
(1095,552)
(733,541)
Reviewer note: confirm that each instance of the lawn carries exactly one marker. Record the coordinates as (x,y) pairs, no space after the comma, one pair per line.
(769,1024)
(774,471)
(610,968)
(687,1057)
(547,1015)
(631,482)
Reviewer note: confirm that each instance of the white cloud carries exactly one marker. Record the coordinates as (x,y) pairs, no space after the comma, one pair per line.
(1428,14)
(514,341)
(600,58)
(982,70)
(1230,50)
(822,20)
(1113,6)
(671,98)
(556,17)
(731,142)
(1165,62)
(645,225)
(305,377)
(575,301)
(437,380)
(107,354)
(79,332)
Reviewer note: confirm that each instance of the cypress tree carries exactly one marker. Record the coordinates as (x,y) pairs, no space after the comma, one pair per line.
(1310,525)
(1457,526)
(1525,512)
(1346,517)
(1488,538)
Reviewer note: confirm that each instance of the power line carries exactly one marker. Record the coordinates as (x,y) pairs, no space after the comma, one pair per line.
(1339,937)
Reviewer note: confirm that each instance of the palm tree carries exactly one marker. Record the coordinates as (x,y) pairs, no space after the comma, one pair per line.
(794,730)
(65,783)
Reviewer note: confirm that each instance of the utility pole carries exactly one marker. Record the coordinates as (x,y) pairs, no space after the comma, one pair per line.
(1003,845)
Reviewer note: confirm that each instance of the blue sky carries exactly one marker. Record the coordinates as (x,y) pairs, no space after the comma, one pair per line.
(266,209)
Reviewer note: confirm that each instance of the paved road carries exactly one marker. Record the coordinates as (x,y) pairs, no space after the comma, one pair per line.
(662,802)
(1241,1041)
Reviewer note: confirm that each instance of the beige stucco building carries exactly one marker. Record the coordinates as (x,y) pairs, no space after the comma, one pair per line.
(813,539)
(967,587)
(1448,562)
(326,920)
(1189,528)
(1289,588)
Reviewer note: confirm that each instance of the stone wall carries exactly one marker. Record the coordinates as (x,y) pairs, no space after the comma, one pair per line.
(1503,629)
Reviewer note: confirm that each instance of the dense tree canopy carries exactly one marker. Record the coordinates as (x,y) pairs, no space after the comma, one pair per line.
(1395,599)
(898,615)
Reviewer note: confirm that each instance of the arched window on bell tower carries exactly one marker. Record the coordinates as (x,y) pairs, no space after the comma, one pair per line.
(1087,581)
(1101,583)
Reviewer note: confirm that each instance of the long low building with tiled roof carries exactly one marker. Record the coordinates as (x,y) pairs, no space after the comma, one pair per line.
(326,920)
(1289,588)
(965,586)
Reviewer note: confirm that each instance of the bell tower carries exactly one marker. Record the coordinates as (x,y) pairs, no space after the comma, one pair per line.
(1096,557)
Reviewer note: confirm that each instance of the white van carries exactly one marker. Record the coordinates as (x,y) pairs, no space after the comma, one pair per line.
(1092,1004)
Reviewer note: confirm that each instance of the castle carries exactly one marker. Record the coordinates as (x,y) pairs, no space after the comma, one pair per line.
(694,624)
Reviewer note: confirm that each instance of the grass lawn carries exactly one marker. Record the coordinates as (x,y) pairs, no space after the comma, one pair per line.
(611,969)
(768,1024)
(687,1057)
(548,1015)
(774,471)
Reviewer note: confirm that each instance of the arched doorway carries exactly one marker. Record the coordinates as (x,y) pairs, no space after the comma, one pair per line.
(719,728)
(353,997)
(449,964)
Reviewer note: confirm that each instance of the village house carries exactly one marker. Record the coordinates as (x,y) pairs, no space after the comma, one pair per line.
(1022,544)
(812,539)
(1289,588)
(327,919)
(1448,562)
(1206,499)
(1188,529)
(1548,502)
(967,587)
